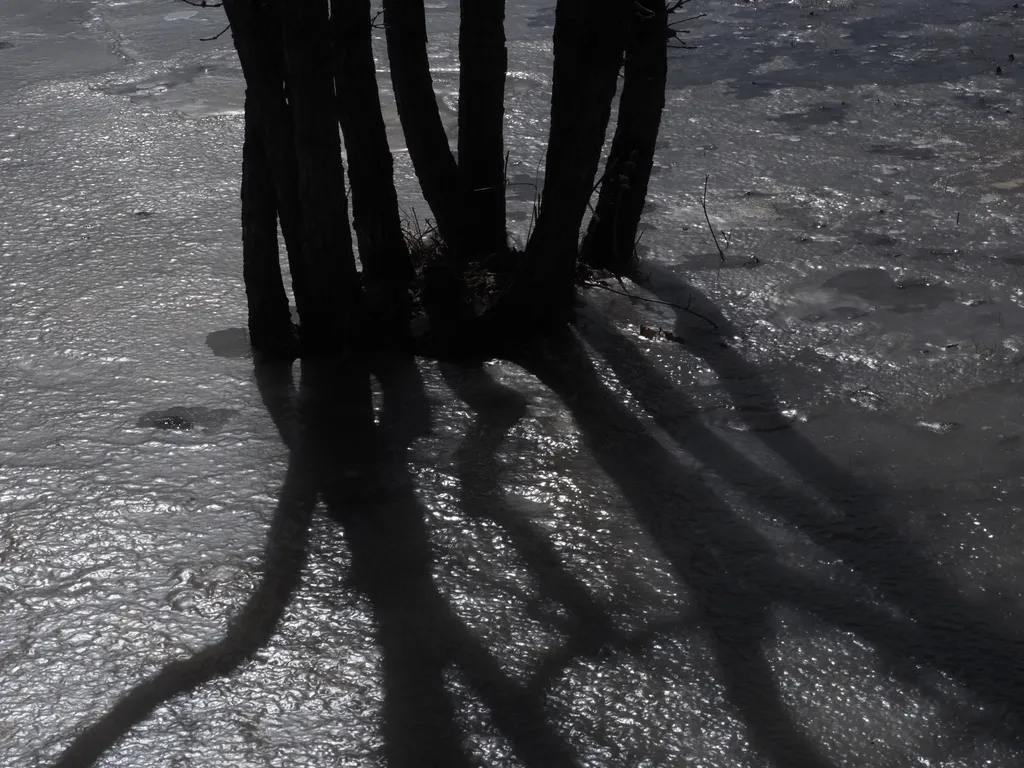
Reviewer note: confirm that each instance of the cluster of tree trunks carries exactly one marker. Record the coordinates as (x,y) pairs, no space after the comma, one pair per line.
(309,70)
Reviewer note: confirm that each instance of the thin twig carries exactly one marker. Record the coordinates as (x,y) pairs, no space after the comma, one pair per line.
(595,284)
(211,39)
(704,205)
(538,198)
(688,18)
(203,4)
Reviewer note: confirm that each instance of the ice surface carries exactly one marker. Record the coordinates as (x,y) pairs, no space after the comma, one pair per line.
(773,522)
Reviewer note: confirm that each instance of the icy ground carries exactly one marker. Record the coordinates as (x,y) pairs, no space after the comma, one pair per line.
(793,539)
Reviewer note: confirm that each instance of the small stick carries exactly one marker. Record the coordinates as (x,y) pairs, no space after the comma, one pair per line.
(704,205)
(211,39)
(687,309)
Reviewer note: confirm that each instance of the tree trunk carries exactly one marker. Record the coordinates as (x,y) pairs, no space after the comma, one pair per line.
(258,43)
(611,235)
(270,325)
(406,31)
(330,323)
(370,164)
(483,61)
(589,40)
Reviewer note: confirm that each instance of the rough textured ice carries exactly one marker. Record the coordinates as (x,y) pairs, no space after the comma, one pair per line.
(779,527)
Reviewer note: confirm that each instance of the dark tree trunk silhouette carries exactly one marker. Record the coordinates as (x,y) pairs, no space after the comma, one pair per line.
(378,228)
(611,235)
(406,32)
(331,321)
(483,60)
(258,42)
(270,325)
(589,41)
(309,68)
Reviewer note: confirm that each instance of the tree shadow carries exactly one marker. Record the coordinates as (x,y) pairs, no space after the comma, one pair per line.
(419,633)
(357,469)
(937,627)
(589,628)
(254,625)
(727,566)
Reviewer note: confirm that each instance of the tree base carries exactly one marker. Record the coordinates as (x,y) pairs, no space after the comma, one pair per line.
(484,309)
(495,308)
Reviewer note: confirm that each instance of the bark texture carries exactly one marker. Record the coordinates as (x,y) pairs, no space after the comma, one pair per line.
(432,159)
(589,41)
(270,325)
(611,235)
(378,228)
(258,43)
(330,322)
(483,61)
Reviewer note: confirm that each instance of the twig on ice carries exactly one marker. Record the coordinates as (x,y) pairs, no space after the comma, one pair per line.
(704,205)
(602,286)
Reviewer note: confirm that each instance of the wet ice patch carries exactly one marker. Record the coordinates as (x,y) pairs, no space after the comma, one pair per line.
(866,398)
(938,427)
(876,239)
(231,342)
(158,83)
(824,5)
(1011,185)
(752,420)
(858,292)
(815,114)
(906,153)
(196,90)
(180,418)
(543,18)
(777,64)
(877,287)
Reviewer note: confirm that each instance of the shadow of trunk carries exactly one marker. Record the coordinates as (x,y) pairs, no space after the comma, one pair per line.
(358,468)
(249,631)
(420,635)
(497,409)
(386,531)
(710,551)
(968,641)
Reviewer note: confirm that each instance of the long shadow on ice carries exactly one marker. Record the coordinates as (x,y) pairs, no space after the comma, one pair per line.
(903,605)
(844,516)
(590,630)
(249,631)
(418,632)
(358,470)
(722,561)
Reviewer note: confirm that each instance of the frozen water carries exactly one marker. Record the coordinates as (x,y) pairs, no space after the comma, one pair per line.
(773,522)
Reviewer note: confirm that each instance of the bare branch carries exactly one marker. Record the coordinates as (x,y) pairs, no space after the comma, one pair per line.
(627,294)
(704,205)
(210,39)
(688,18)
(675,5)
